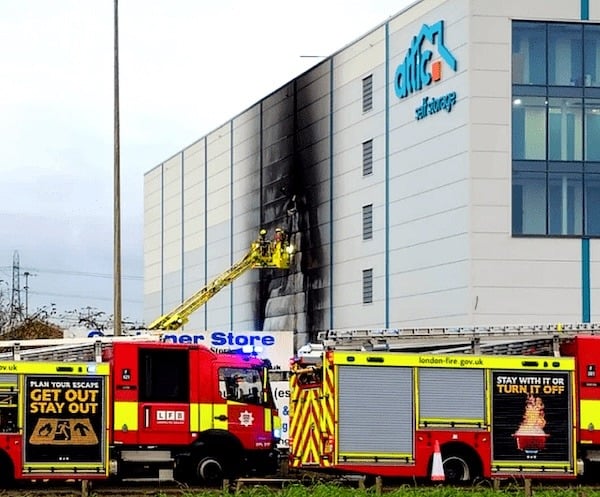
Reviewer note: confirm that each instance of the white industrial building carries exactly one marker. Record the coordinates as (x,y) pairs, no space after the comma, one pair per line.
(443,169)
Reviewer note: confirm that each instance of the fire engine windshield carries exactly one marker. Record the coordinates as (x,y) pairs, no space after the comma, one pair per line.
(244,385)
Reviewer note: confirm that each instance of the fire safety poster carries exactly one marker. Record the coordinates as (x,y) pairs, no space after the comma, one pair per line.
(531,419)
(64,419)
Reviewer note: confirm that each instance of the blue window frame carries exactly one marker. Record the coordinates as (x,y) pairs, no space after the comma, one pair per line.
(555,129)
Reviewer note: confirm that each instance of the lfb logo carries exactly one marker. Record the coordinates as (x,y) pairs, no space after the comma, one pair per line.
(418,70)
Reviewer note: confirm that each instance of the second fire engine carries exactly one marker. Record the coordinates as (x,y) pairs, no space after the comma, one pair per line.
(522,401)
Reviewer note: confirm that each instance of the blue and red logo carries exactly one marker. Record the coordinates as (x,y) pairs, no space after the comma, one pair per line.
(418,69)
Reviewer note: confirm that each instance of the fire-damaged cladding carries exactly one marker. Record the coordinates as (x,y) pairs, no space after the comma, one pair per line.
(294,176)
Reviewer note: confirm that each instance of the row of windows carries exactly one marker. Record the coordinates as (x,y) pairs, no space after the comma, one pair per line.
(555,203)
(555,129)
(556,54)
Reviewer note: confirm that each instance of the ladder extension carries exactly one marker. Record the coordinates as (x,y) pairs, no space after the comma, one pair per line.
(521,339)
(453,331)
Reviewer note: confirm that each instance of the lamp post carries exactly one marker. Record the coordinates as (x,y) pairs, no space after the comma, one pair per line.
(117,185)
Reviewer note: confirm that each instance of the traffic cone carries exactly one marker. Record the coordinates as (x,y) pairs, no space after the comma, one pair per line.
(437,468)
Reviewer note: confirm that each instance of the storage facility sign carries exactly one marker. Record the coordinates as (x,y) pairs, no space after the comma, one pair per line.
(64,419)
(419,70)
(531,416)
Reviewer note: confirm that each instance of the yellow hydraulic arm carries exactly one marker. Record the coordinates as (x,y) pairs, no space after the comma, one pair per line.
(263,253)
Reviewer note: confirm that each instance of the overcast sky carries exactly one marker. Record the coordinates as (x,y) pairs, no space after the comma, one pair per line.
(186,67)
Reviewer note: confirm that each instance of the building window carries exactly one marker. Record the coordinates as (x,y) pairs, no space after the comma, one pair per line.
(565,203)
(591,55)
(529,128)
(367,217)
(367,93)
(565,54)
(367,151)
(565,129)
(555,125)
(529,53)
(367,286)
(591,122)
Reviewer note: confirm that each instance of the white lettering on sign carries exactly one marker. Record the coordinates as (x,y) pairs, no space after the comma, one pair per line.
(170,416)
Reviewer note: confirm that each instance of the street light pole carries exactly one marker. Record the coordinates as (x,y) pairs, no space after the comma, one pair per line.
(117,185)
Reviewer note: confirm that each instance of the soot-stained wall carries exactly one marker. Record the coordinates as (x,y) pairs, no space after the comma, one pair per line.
(269,167)
(294,185)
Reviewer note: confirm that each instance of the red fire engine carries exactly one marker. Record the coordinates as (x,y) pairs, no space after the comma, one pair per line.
(143,409)
(492,402)
(138,409)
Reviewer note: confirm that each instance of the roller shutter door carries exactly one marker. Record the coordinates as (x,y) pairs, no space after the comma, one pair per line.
(451,395)
(375,410)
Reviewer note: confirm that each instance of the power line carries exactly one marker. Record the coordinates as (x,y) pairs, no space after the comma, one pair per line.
(81,297)
(75,273)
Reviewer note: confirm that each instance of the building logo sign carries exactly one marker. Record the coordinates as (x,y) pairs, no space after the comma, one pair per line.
(420,69)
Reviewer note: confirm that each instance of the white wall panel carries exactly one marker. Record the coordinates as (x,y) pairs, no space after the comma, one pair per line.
(531,9)
(490,111)
(490,191)
(442,308)
(152,242)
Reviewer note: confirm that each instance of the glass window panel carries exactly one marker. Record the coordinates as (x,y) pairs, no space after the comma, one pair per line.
(592,203)
(529,53)
(529,203)
(591,69)
(592,129)
(565,129)
(565,204)
(529,128)
(565,54)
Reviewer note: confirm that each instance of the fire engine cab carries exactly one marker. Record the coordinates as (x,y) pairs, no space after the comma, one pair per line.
(138,409)
(492,402)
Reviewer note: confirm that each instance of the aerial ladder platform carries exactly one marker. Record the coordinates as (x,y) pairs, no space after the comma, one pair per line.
(523,339)
(263,254)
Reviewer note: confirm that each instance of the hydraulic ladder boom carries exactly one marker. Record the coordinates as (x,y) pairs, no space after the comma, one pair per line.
(263,254)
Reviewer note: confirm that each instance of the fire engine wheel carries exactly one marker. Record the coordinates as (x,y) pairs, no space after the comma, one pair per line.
(457,468)
(7,474)
(210,470)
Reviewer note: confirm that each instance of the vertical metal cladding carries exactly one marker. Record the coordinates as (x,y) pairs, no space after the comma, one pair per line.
(291,194)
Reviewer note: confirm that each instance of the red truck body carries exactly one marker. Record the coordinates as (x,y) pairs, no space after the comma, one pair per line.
(147,410)
(443,414)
